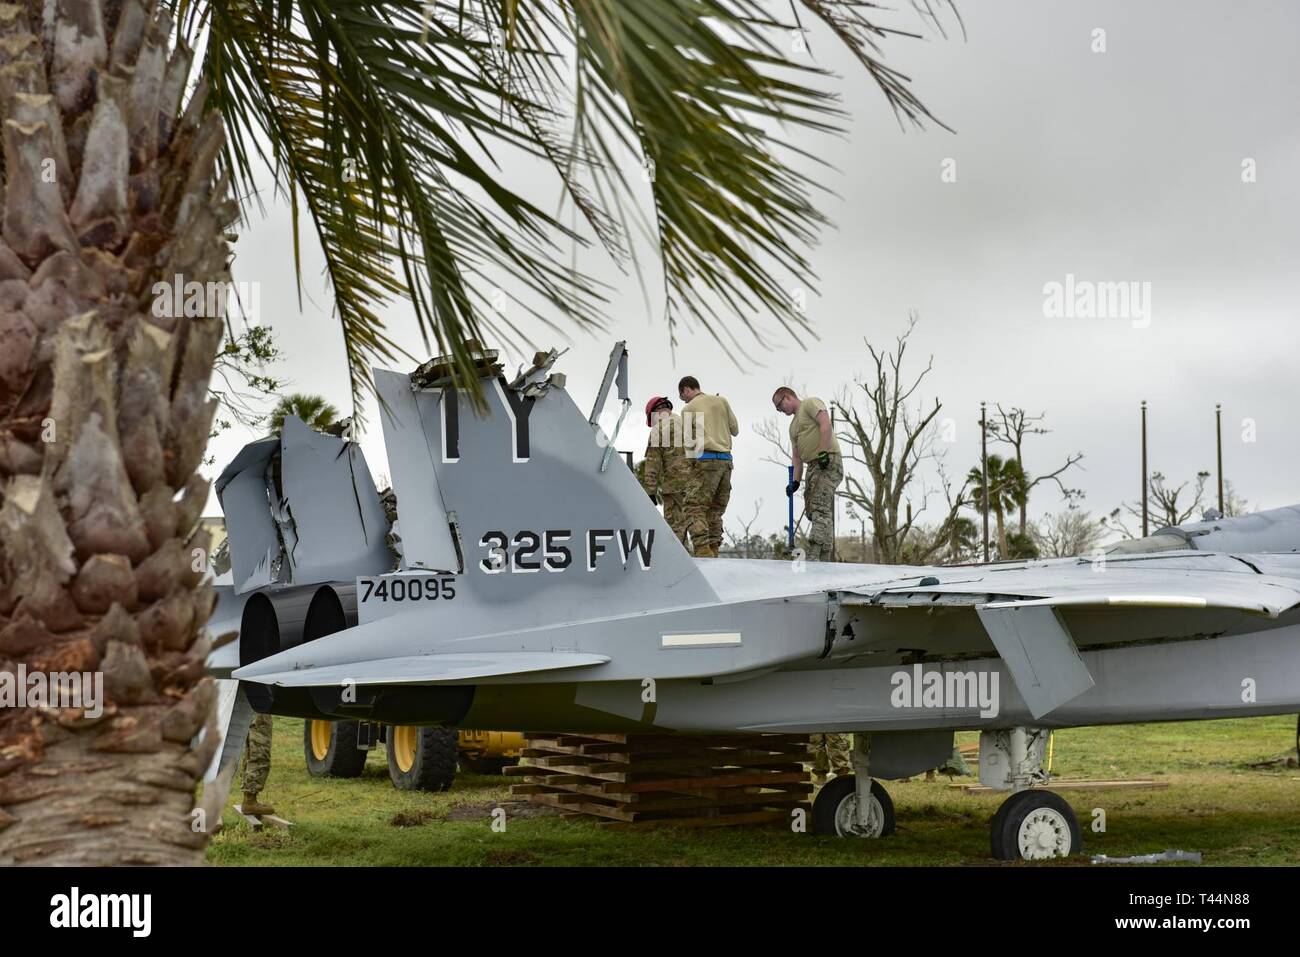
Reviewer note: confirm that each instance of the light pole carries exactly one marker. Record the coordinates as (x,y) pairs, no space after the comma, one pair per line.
(1218,442)
(1144,468)
(984,476)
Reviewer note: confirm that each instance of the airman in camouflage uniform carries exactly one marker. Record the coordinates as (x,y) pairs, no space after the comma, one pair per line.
(710,425)
(667,474)
(831,753)
(813,443)
(257,765)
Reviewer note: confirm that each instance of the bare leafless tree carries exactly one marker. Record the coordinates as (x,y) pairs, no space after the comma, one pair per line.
(1067,533)
(1010,427)
(743,543)
(1234,504)
(890,438)
(1164,505)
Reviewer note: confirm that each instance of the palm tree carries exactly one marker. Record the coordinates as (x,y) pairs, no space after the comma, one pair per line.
(128,162)
(312,409)
(1006,490)
(963,539)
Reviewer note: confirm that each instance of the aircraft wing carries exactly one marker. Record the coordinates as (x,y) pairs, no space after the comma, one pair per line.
(432,669)
(1023,609)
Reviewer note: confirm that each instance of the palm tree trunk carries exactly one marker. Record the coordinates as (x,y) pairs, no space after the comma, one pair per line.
(104,417)
(998,512)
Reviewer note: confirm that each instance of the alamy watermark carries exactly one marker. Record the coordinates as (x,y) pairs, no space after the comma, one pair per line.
(1085,299)
(206,300)
(74,910)
(83,690)
(919,688)
(681,432)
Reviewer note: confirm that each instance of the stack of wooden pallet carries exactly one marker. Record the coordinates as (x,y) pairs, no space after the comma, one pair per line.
(644,780)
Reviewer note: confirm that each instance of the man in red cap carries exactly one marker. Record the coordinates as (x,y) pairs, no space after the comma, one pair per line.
(666,469)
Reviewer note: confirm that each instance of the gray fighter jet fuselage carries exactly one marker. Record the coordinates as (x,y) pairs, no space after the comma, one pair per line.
(539,587)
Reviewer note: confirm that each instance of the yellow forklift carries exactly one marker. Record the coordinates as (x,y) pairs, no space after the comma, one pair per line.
(419,758)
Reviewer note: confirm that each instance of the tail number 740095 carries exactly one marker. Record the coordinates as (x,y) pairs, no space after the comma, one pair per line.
(406,588)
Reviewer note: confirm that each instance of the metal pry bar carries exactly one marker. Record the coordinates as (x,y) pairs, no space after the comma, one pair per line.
(617,367)
(609,449)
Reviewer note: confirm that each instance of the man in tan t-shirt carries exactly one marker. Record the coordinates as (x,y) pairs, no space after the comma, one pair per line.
(812,441)
(708,425)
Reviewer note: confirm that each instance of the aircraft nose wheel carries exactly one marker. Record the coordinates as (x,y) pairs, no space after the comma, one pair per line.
(835,810)
(1034,826)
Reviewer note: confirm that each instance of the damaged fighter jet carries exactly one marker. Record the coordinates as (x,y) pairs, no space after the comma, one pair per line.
(538,587)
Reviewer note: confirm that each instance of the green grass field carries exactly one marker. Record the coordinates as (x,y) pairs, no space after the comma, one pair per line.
(1215,803)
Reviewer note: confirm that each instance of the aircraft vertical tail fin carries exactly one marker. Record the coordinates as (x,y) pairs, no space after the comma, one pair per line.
(521,498)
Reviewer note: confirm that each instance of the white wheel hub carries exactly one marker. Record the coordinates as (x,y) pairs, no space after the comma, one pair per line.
(846,818)
(1043,834)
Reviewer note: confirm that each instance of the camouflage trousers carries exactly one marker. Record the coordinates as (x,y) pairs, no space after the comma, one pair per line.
(832,753)
(819,503)
(675,514)
(257,754)
(706,500)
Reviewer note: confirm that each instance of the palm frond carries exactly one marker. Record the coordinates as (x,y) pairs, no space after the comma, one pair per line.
(387,122)
(367,109)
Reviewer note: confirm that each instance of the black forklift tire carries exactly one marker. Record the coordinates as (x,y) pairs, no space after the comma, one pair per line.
(421,758)
(331,749)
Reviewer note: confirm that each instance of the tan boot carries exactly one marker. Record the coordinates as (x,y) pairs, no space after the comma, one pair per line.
(253,807)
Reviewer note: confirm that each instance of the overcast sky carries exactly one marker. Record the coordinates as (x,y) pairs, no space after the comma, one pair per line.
(1116,166)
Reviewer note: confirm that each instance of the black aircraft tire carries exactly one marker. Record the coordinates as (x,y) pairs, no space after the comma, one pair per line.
(341,759)
(1048,814)
(999,818)
(426,764)
(827,804)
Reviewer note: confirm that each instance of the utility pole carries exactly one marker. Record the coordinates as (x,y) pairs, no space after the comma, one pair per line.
(984,475)
(1144,468)
(1218,442)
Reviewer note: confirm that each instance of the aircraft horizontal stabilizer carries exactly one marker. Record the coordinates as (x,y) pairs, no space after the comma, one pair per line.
(435,669)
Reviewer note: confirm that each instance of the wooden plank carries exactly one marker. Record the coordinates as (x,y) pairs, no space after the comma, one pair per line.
(726,780)
(656,800)
(605,753)
(250,820)
(572,802)
(717,759)
(588,788)
(766,799)
(640,780)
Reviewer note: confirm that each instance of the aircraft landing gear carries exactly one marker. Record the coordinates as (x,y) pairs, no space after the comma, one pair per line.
(1032,824)
(835,810)
(853,805)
